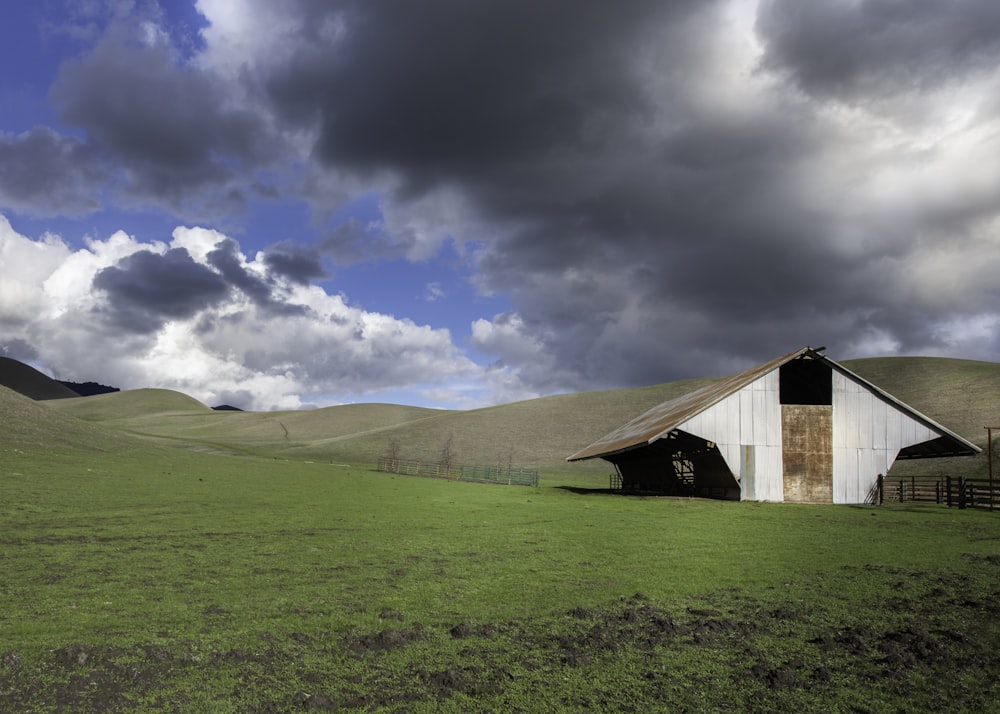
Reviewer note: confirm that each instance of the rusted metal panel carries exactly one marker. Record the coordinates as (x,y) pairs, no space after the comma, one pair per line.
(807,453)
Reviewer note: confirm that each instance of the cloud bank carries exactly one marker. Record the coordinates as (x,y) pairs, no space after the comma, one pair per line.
(197,315)
(661,190)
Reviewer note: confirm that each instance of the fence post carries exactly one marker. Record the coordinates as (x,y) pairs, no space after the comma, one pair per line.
(961,492)
(880,486)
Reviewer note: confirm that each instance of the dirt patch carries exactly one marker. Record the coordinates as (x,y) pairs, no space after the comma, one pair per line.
(938,649)
(383,641)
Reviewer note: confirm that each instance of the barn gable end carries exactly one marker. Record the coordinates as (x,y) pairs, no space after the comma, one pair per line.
(800,428)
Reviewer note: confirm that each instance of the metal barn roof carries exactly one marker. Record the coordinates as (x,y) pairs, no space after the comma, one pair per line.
(659,421)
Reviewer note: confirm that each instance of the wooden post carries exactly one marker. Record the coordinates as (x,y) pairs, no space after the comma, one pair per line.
(961,492)
(880,484)
(947,490)
(989,460)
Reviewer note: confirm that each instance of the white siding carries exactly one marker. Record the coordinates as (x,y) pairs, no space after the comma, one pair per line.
(868,433)
(750,416)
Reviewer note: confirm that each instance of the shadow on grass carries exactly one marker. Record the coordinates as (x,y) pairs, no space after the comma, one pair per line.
(579,490)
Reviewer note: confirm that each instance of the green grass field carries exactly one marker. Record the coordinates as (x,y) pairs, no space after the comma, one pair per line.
(158,556)
(178,581)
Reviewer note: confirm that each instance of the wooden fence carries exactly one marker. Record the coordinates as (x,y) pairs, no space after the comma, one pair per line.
(957,492)
(481,474)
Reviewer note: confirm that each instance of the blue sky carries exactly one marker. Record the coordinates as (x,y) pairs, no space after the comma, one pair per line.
(286,205)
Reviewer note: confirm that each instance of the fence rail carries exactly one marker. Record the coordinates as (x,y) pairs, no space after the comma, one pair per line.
(482,474)
(958,492)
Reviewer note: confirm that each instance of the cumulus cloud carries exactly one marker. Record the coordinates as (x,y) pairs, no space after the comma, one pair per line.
(208,322)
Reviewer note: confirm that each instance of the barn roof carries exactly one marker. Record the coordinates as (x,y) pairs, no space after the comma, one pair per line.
(659,421)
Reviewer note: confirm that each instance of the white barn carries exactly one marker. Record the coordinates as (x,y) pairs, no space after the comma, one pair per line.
(800,428)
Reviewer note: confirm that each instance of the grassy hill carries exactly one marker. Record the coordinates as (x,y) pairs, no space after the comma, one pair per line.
(963,395)
(27,380)
(29,427)
(537,433)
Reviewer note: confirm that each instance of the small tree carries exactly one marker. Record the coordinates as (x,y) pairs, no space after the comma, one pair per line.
(447,456)
(392,454)
(505,460)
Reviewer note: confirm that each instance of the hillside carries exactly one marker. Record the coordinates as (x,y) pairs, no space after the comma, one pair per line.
(31,427)
(963,395)
(537,433)
(171,416)
(25,379)
(132,406)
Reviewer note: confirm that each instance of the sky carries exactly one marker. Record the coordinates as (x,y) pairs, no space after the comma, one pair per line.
(456,204)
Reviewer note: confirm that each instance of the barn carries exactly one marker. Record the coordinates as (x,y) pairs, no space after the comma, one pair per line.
(800,428)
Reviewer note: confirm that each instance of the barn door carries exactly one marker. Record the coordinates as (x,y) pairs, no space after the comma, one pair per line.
(807,452)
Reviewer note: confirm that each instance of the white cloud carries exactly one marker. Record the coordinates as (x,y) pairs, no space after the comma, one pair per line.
(243,33)
(434,292)
(300,347)
(506,336)
(27,266)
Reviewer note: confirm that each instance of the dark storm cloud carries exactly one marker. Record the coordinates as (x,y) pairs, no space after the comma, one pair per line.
(879,46)
(178,138)
(300,265)
(45,174)
(444,88)
(226,259)
(352,242)
(18,349)
(145,289)
(647,229)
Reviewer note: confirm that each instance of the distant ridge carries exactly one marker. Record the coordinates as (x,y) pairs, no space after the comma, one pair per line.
(27,380)
(88,389)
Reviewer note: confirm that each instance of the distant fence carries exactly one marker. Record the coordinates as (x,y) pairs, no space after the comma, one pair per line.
(481,474)
(957,492)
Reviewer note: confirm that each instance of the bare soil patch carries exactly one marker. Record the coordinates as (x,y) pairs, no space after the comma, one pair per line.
(939,649)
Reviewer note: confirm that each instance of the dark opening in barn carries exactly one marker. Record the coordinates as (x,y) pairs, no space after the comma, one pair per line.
(681,464)
(805,381)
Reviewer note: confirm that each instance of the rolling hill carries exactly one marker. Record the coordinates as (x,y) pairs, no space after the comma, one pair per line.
(31,427)
(27,380)
(963,395)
